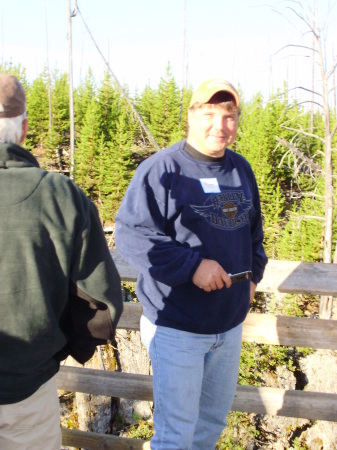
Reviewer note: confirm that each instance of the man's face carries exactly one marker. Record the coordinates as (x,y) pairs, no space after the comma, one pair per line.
(211,129)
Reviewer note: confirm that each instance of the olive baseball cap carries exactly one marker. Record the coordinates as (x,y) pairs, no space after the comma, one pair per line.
(12,96)
(208,88)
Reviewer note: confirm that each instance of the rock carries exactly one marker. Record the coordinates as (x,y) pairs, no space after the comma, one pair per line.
(321,370)
(286,379)
(94,412)
(133,358)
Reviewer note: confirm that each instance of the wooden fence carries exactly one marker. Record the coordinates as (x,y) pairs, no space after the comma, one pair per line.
(280,276)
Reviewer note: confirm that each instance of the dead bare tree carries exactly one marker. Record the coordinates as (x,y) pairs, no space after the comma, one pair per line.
(120,88)
(317,50)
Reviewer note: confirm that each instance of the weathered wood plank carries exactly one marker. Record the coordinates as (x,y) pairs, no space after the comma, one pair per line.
(300,278)
(290,331)
(99,441)
(261,400)
(265,329)
(126,272)
(280,276)
(130,317)
(101,382)
(288,403)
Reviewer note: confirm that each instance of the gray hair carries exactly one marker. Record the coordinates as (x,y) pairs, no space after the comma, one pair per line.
(11,129)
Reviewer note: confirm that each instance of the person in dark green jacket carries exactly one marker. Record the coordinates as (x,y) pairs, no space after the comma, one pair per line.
(60,292)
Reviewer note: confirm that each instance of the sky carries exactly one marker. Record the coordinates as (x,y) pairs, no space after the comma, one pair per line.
(243,41)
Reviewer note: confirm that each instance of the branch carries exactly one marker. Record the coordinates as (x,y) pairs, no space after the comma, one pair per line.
(312,195)
(284,16)
(332,71)
(319,152)
(332,89)
(305,133)
(307,23)
(299,218)
(309,90)
(310,101)
(296,45)
(301,103)
(333,131)
(313,166)
(74,13)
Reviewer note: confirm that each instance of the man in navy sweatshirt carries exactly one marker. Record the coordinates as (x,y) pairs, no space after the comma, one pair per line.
(190,218)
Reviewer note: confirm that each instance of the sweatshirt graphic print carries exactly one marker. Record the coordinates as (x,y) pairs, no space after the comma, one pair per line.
(229,210)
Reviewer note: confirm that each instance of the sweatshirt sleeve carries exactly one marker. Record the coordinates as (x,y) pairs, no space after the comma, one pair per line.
(259,258)
(143,233)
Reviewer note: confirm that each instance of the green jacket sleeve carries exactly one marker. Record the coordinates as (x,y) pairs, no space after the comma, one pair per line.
(95,300)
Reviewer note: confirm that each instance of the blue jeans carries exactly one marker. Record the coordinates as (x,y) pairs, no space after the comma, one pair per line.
(194,382)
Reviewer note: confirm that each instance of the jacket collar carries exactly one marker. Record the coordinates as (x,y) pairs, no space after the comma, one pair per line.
(12,155)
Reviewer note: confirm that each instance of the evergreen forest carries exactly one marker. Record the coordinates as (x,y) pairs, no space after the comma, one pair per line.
(110,142)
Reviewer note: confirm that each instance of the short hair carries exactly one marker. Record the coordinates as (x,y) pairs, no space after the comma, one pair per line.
(228,105)
(11,128)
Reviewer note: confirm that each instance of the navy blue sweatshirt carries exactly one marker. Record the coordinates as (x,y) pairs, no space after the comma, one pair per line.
(179,209)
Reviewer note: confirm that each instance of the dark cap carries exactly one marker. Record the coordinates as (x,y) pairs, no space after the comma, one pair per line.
(12,97)
(207,89)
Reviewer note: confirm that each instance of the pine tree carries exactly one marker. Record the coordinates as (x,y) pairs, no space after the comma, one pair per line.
(59,138)
(182,127)
(165,111)
(145,104)
(88,147)
(17,70)
(108,106)
(82,99)
(117,166)
(38,112)
(256,144)
(302,236)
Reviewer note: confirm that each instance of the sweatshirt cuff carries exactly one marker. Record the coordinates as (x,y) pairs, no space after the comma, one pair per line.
(256,279)
(195,266)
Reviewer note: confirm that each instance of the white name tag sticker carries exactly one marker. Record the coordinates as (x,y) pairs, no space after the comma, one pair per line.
(210,185)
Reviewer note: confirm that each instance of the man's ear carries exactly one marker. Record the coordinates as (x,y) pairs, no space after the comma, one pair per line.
(24,131)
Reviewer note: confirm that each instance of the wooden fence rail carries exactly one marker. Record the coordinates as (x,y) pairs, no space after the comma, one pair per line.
(280,276)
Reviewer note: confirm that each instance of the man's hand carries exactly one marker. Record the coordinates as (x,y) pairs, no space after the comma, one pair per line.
(252,291)
(210,276)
